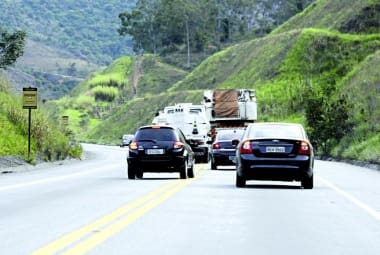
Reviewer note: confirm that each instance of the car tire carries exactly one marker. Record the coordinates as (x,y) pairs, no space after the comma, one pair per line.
(139,174)
(240,181)
(183,170)
(190,172)
(131,173)
(206,158)
(308,182)
(213,165)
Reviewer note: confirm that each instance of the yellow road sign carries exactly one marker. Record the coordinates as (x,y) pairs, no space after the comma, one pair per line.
(29,98)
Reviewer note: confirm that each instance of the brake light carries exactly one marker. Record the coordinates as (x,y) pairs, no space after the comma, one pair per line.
(216,146)
(133,146)
(178,145)
(246,147)
(304,148)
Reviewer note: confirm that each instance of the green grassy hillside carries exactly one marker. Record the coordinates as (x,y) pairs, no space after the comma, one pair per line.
(346,16)
(310,65)
(362,85)
(105,105)
(138,112)
(48,141)
(86,29)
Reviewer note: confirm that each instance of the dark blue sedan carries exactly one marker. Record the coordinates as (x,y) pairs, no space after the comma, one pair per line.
(275,151)
(223,151)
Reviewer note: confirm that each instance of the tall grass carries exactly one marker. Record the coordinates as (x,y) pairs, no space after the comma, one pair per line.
(48,142)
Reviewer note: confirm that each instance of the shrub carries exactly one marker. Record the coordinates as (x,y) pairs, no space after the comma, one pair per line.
(105,93)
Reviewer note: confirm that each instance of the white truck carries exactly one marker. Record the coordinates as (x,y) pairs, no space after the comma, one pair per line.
(229,108)
(193,122)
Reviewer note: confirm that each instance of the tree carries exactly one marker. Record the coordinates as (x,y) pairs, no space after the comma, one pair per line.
(11,47)
(166,26)
(327,118)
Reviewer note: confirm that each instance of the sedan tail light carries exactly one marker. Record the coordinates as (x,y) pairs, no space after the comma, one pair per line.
(133,146)
(216,146)
(178,145)
(304,148)
(246,147)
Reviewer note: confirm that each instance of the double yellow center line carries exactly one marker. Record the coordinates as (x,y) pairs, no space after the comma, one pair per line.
(93,234)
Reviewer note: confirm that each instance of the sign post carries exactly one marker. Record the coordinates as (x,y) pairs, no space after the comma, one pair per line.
(29,102)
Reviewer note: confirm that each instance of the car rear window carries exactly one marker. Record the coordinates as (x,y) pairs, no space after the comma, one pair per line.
(157,134)
(276,131)
(229,135)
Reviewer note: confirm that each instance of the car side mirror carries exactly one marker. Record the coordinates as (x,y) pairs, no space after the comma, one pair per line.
(235,142)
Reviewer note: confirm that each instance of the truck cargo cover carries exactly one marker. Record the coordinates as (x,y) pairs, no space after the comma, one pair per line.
(225,103)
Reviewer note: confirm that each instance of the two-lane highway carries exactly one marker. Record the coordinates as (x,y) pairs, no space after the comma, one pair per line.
(90,207)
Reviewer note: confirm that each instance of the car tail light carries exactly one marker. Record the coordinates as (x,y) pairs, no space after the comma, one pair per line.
(216,146)
(304,148)
(133,146)
(178,145)
(246,147)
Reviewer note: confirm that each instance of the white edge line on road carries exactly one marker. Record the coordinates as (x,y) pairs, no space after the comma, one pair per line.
(353,199)
(55,179)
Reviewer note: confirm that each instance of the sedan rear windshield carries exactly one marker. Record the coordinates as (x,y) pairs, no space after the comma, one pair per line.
(276,131)
(163,134)
(229,135)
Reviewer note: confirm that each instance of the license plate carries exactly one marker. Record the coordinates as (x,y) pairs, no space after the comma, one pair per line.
(155,151)
(275,149)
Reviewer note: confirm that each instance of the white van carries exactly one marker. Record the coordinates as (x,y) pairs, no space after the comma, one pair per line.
(192,121)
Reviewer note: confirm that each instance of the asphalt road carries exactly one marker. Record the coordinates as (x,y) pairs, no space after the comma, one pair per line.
(90,207)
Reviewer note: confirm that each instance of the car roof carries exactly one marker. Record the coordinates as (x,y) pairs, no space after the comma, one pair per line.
(156,127)
(283,124)
(274,123)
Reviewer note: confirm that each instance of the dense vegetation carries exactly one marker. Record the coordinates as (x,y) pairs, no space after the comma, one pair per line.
(11,47)
(324,76)
(48,141)
(88,29)
(190,27)
(66,40)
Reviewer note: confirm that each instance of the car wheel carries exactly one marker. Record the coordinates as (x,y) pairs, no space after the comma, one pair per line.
(206,158)
(139,174)
(190,172)
(240,181)
(213,165)
(131,173)
(308,182)
(182,171)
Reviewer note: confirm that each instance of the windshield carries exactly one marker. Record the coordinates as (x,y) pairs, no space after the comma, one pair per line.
(229,134)
(276,131)
(155,134)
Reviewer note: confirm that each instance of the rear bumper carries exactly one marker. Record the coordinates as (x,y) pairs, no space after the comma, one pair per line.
(200,152)
(223,157)
(158,164)
(282,169)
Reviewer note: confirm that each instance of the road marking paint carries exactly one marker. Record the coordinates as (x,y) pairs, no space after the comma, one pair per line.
(116,227)
(78,234)
(59,178)
(101,229)
(353,199)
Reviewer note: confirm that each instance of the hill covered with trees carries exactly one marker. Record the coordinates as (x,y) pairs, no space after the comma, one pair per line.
(319,68)
(324,77)
(66,40)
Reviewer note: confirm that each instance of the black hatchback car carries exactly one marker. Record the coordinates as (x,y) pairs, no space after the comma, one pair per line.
(275,151)
(223,150)
(160,149)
